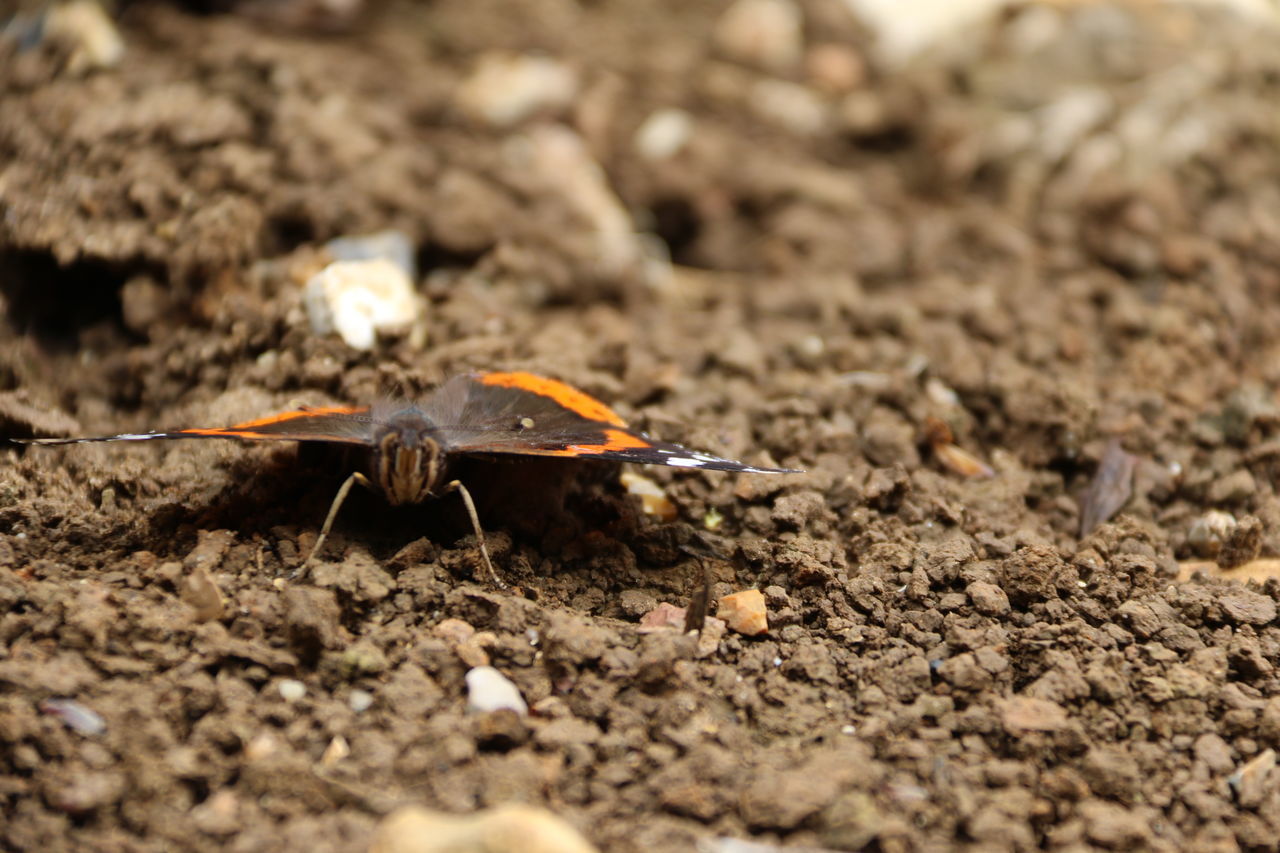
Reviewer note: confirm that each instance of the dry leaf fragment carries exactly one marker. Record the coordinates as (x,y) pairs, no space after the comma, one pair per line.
(1110,489)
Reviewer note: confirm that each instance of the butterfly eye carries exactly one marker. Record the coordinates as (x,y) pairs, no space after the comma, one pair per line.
(524,423)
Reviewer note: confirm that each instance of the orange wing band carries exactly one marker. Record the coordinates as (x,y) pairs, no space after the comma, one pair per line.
(614,439)
(571,398)
(249,429)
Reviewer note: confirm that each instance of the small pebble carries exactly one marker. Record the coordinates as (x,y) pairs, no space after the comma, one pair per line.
(653,500)
(505,89)
(359,299)
(503,829)
(789,106)
(490,690)
(1249,782)
(744,612)
(337,750)
(260,747)
(201,592)
(502,729)
(454,631)
(1209,531)
(85,26)
(663,617)
(663,134)
(360,701)
(291,690)
(765,33)
(835,68)
(77,717)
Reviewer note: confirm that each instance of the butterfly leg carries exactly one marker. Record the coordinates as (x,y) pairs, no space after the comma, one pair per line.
(343,491)
(456,486)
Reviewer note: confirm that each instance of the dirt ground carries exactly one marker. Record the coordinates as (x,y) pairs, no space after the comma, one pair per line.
(1056,230)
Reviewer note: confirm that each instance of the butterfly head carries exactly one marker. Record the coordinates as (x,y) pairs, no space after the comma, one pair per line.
(407,460)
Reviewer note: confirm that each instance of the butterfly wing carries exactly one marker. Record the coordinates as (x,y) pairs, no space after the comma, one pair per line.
(521,414)
(334,424)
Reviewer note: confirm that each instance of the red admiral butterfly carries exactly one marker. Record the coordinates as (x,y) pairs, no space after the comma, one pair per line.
(410,444)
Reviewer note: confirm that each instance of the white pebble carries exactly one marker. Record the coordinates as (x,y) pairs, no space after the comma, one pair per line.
(359,299)
(490,690)
(790,106)
(291,690)
(663,134)
(505,89)
(360,701)
(85,26)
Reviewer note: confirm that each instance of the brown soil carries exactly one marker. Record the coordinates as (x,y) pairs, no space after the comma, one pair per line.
(949,664)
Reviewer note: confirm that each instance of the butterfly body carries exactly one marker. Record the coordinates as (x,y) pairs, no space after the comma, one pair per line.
(406,460)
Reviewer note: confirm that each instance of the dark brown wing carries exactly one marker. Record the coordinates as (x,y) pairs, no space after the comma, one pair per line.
(521,414)
(337,424)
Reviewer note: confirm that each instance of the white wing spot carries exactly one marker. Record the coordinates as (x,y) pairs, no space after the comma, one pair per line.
(685,462)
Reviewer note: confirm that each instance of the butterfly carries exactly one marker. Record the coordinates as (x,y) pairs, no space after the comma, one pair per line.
(409,445)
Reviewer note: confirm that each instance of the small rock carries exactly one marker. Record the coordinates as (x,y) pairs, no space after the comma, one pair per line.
(653,500)
(92,35)
(359,299)
(337,750)
(1249,782)
(557,158)
(1214,752)
(502,729)
(1246,607)
(363,658)
(988,599)
(360,701)
(291,690)
(209,551)
(1021,714)
(490,690)
(200,591)
(663,134)
(789,106)
(454,631)
(219,814)
(1243,545)
(765,33)
(744,612)
(1234,488)
(505,829)
(1113,826)
(261,747)
(663,617)
(835,68)
(505,88)
(77,717)
(1209,531)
